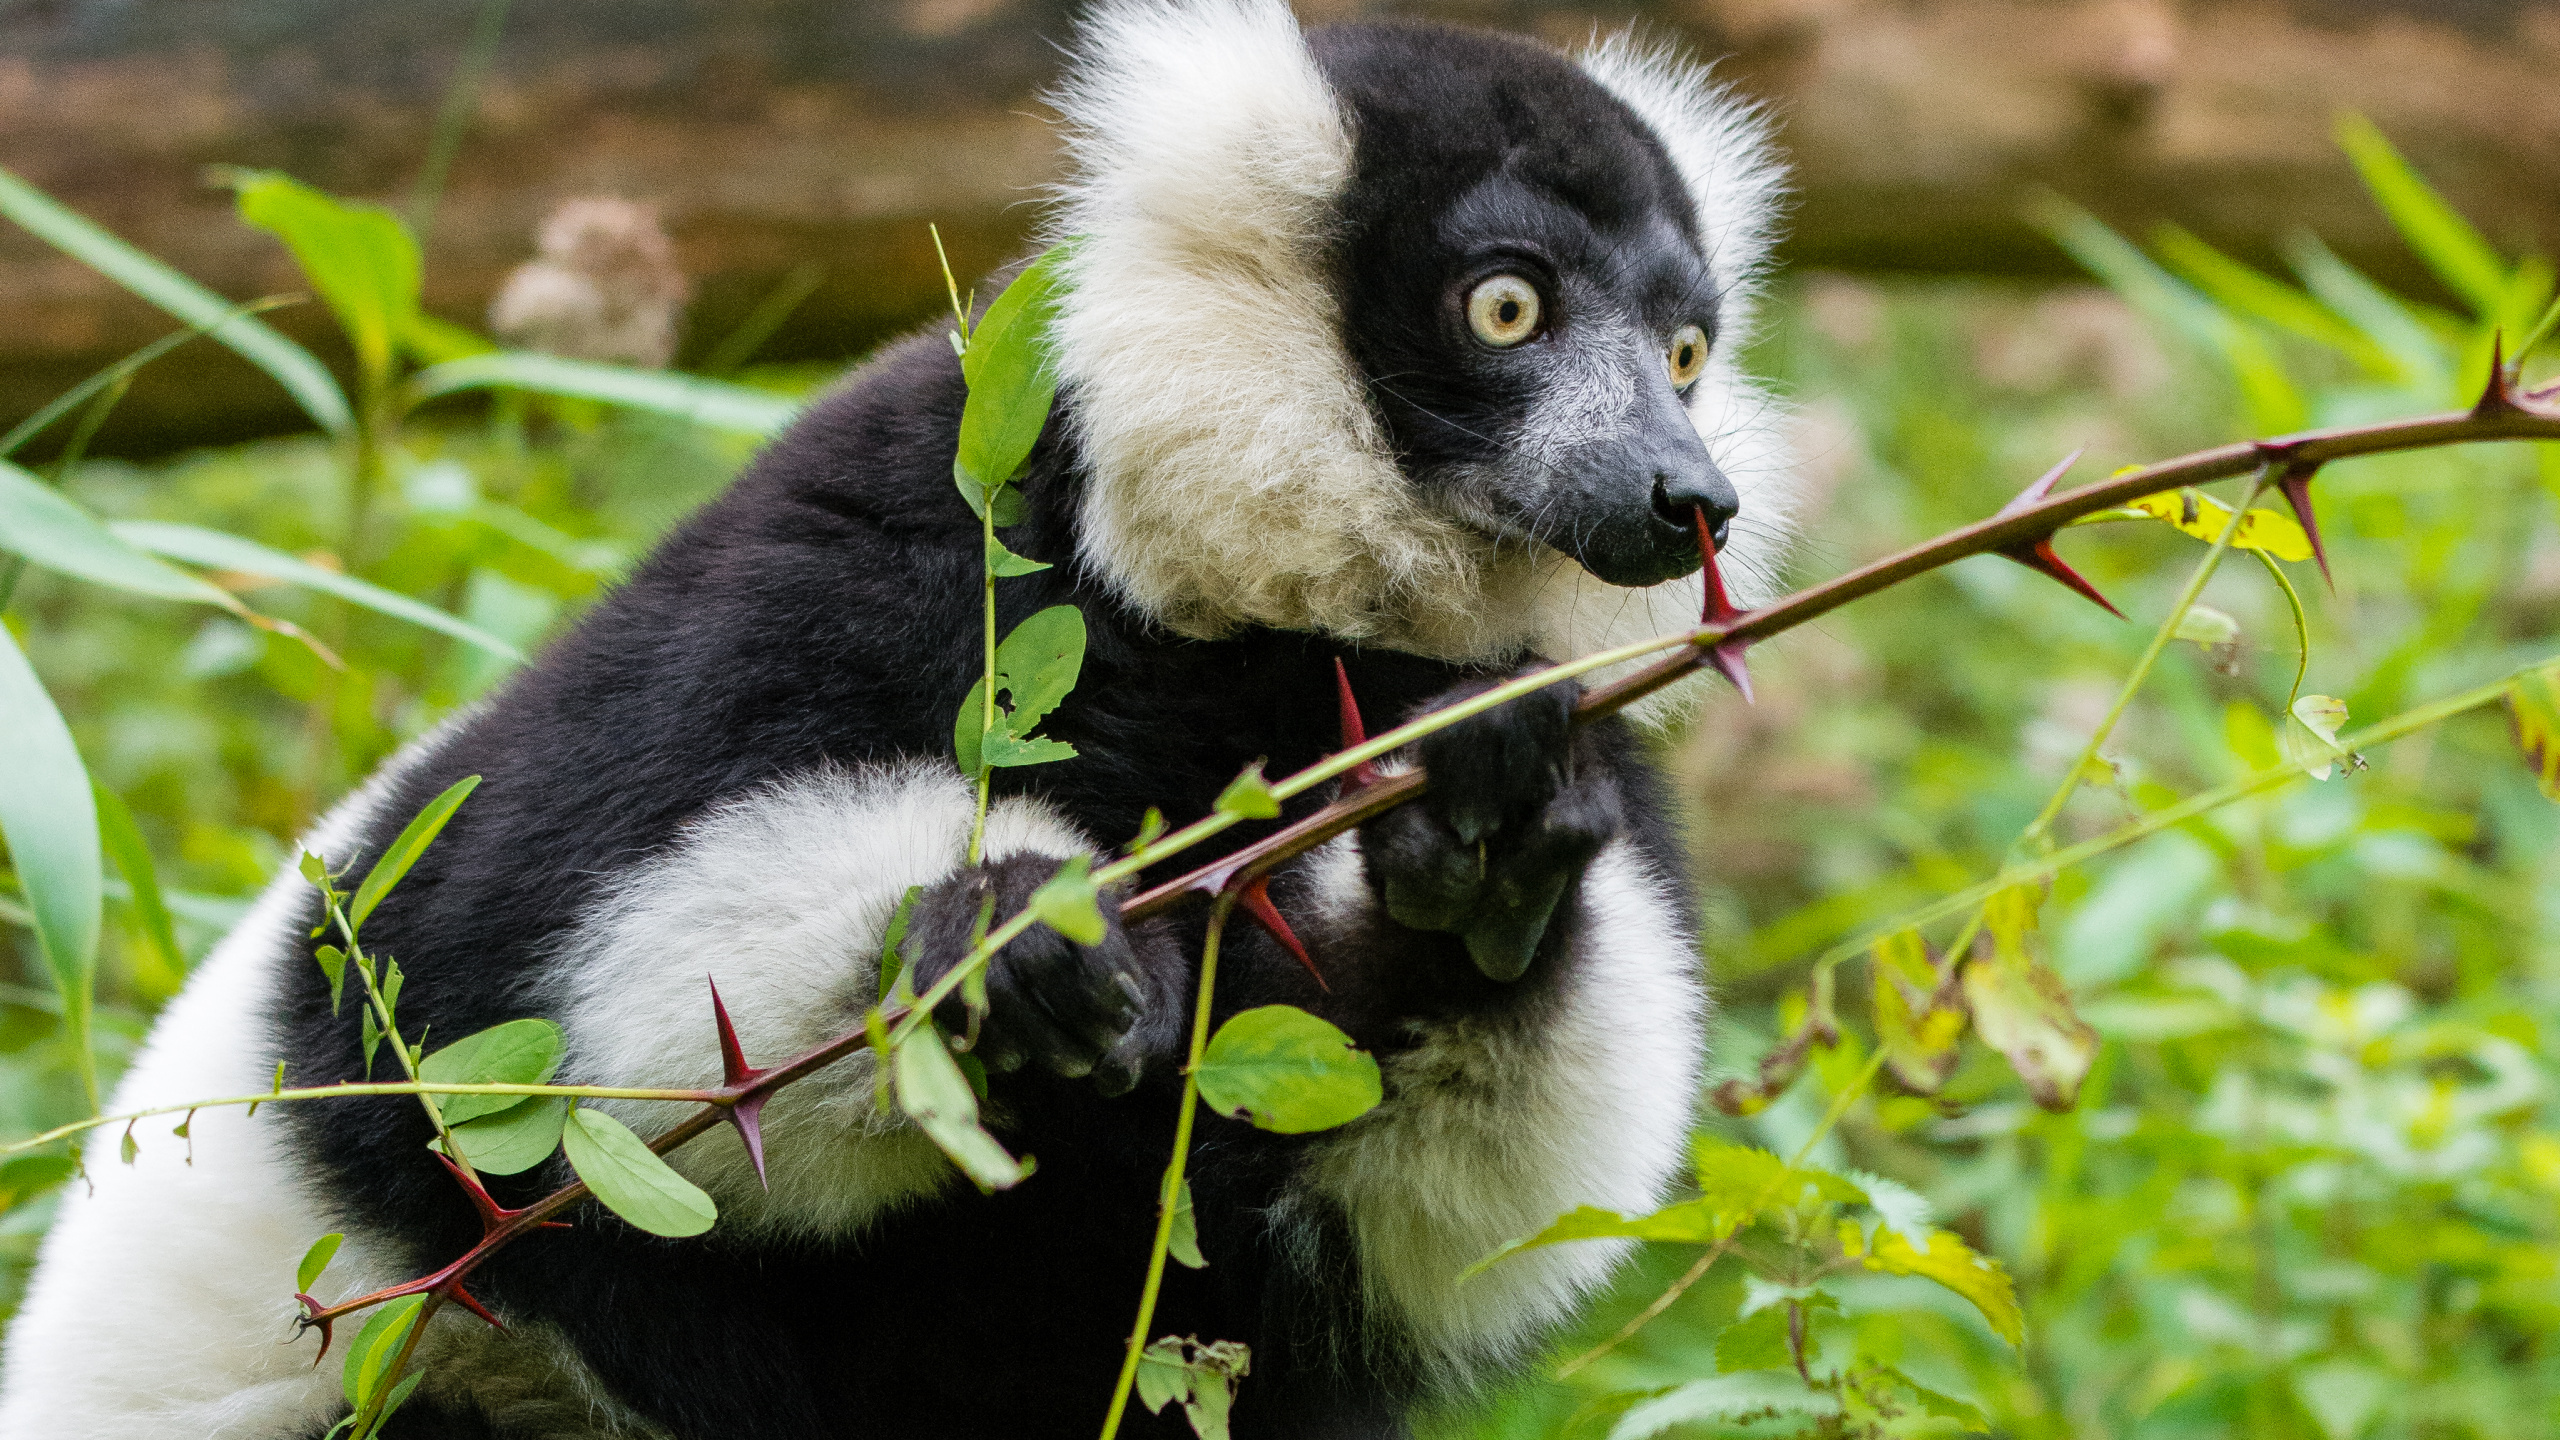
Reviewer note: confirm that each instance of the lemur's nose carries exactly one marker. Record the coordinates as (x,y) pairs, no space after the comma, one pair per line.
(1680,497)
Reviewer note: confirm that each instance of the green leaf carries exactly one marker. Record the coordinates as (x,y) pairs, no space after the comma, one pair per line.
(291,366)
(400,1394)
(29,1176)
(1002,749)
(1164,1374)
(1250,796)
(403,852)
(1688,1222)
(361,258)
(166,966)
(2534,708)
(517,1052)
(1201,1375)
(372,1037)
(937,1097)
(333,963)
(2312,741)
(892,961)
(714,404)
(2435,230)
(1751,1394)
(1011,378)
(316,1260)
(1004,564)
(1287,1071)
(376,1347)
(2250,292)
(1038,664)
(633,1182)
(2420,357)
(513,1140)
(46,527)
(198,546)
(1184,1243)
(1069,904)
(1951,1263)
(49,815)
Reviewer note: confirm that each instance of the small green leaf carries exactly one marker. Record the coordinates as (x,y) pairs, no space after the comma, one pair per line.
(361,258)
(633,1182)
(1184,1243)
(1038,664)
(316,1260)
(333,963)
(1002,750)
(404,851)
(49,815)
(1011,378)
(1287,1071)
(372,1038)
(1150,828)
(937,1097)
(713,404)
(42,525)
(1004,564)
(1164,1374)
(2312,743)
(291,366)
(1249,795)
(376,1348)
(513,1140)
(892,961)
(1201,1375)
(518,1052)
(127,1149)
(198,546)
(1069,904)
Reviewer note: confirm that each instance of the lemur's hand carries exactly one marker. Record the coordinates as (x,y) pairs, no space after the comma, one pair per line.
(1071,1008)
(1517,808)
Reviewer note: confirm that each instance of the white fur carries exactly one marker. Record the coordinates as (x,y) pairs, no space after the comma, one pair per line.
(163,1306)
(783,896)
(1492,1128)
(1240,474)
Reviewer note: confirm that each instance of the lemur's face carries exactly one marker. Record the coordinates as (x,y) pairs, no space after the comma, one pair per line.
(1527,298)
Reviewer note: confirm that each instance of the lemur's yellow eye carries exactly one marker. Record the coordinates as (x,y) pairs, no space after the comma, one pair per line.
(1503,311)
(1687,356)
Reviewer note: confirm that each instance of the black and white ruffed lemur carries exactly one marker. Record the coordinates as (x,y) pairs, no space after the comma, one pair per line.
(1406,346)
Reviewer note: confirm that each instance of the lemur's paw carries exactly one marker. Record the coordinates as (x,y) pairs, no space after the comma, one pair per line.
(1515,813)
(1069,1008)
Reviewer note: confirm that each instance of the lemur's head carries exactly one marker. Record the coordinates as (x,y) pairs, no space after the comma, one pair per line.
(1411,335)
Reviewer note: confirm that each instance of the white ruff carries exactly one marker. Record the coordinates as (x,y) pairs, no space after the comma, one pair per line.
(782,896)
(1490,1130)
(1240,475)
(163,1306)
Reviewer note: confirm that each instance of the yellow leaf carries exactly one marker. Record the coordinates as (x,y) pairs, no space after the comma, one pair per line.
(1920,1042)
(1951,1263)
(2021,1009)
(2534,706)
(2202,516)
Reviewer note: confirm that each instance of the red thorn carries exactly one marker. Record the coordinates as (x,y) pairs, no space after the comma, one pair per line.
(1727,658)
(2038,555)
(1725,655)
(2295,482)
(747,1115)
(463,1297)
(492,1214)
(2495,399)
(2043,486)
(1255,897)
(1364,774)
(312,1319)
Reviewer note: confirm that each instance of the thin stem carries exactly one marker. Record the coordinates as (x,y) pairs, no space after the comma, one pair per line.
(2160,638)
(382,1016)
(453,118)
(1170,1192)
(388,1087)
(987,720)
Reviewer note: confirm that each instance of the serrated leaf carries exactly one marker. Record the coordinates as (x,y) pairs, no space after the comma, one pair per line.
(2534,708)
(1686,1222)
(936,1095)
(1952,1263)
(1011,377)
(1004,564)
(1757,1341)
(1897,1206)
(403,851)
(1184,1242)
(633,1182)
(2022,1009)
(1723,1397)
(315,1261)
(517,1052)
(1249,796)
(367,1372)
(2312,742)
(1742,1183)
(1068,903)
(513,1140)
(1937,1405)
(1287,1071)
(2200,515)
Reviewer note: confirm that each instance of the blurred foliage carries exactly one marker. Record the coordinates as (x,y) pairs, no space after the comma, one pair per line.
(2309,1187)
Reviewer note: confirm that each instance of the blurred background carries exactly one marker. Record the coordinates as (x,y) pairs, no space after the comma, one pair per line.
(2309,1188)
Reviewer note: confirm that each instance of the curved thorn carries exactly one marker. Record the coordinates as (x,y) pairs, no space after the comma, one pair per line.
(1364,774)
(2039,556)
(2295,482)
(1726,656)
(1719,608)
(1255,900)
(2035,493)
(312,1319)
(734,1069)
(464,1298)
(747,1118)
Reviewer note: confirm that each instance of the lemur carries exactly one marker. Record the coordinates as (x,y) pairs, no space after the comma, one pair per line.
(1408,347)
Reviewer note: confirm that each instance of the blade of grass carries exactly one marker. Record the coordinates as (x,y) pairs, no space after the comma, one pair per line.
(50,819)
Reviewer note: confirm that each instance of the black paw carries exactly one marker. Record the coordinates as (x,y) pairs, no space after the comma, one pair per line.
(1516,810)
(1069,1008)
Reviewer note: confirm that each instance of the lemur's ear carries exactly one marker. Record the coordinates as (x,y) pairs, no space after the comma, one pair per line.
(1720,143)
(1238,474)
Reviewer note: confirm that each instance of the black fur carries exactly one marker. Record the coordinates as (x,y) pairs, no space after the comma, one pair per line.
(825,611)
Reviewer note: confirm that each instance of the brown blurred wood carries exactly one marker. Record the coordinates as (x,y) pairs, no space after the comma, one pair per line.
(777,132)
